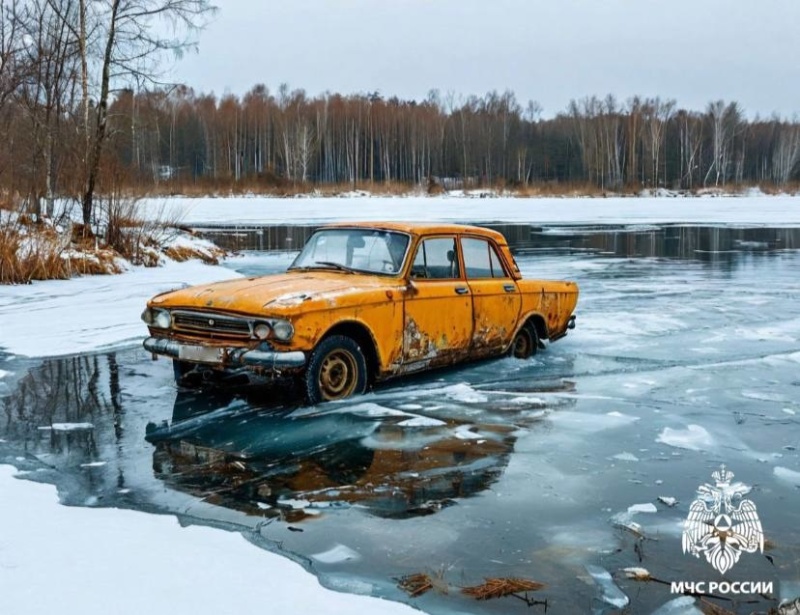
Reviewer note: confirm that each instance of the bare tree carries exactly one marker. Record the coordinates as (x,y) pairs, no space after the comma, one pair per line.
(657,116)
(131,39)
(49,90)
(690,136)
(13,68)
(725,125)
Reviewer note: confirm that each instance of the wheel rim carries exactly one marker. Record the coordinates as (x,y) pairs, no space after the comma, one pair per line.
(338,375)
(522,345)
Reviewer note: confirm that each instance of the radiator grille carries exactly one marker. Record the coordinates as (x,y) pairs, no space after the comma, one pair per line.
(198,322)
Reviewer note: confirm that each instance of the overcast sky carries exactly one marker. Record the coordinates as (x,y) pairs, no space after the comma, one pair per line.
(549,51)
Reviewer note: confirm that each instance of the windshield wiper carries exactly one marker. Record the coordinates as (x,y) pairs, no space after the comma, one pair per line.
(333,265)
(324,265)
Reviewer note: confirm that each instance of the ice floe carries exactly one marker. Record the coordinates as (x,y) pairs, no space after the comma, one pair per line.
(787,475)
(611,594)
(642,508)
(694,438)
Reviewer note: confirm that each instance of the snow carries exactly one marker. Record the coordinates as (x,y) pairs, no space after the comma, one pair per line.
(752,209)
(61,317)
(63,559)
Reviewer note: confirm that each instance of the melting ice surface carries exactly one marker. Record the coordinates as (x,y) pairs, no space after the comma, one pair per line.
(565,469)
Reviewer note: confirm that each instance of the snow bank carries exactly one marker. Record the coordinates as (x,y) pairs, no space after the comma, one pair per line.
(60,559)
(60,317)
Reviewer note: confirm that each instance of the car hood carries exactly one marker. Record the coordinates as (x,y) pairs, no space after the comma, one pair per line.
(280,293)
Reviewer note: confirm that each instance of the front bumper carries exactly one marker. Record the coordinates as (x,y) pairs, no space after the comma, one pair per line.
(222,356)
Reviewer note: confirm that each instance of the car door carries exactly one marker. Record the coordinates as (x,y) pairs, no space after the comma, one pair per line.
(437,306)
(496,299)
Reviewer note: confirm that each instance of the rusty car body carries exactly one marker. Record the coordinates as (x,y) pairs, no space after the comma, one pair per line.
(364,302)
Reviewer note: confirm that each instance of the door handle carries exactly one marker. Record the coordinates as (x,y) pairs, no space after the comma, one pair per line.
(509,288)
(461,290)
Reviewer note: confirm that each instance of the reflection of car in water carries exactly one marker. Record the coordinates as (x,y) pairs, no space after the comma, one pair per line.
(253,459)
(360,304)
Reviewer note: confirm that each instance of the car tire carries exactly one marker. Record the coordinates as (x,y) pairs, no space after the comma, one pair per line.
(337,369)
(525,342)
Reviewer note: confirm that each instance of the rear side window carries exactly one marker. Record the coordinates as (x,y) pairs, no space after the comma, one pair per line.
(481,259)
(436,259)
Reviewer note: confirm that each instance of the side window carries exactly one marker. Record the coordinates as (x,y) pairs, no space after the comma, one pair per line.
(481,259)
(436,259)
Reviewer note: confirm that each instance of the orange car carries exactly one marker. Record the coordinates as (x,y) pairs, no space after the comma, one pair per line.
(361,303)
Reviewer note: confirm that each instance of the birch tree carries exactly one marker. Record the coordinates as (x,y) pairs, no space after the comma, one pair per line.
(657,117)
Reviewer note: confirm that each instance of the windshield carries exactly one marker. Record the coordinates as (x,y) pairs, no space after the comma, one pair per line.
(362,250)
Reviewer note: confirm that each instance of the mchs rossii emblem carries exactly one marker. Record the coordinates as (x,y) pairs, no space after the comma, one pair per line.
(722,524)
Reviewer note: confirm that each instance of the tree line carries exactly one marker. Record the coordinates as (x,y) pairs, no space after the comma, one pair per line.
(82,113)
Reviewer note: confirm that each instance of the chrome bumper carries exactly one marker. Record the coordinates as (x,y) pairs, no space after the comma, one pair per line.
(225,356)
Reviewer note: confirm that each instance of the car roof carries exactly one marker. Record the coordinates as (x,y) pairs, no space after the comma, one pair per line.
(422,228)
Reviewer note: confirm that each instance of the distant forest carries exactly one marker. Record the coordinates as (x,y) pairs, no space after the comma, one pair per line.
(175,140)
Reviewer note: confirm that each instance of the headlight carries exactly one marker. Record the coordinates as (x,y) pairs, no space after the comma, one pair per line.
(157,318)
(262,330)
(283,330)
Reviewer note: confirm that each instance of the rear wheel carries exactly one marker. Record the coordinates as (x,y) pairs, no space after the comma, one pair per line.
(337,369)
(526,342)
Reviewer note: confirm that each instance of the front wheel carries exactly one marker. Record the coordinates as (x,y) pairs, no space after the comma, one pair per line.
(337,369)
(525,343)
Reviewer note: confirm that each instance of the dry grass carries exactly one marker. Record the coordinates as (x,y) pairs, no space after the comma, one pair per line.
(497,588)
(775,189)
(569,189)
(32,250)
(185,253)
(417,584)
(96,262)
(28,253)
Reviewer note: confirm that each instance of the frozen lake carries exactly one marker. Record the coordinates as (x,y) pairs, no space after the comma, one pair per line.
(682,360)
